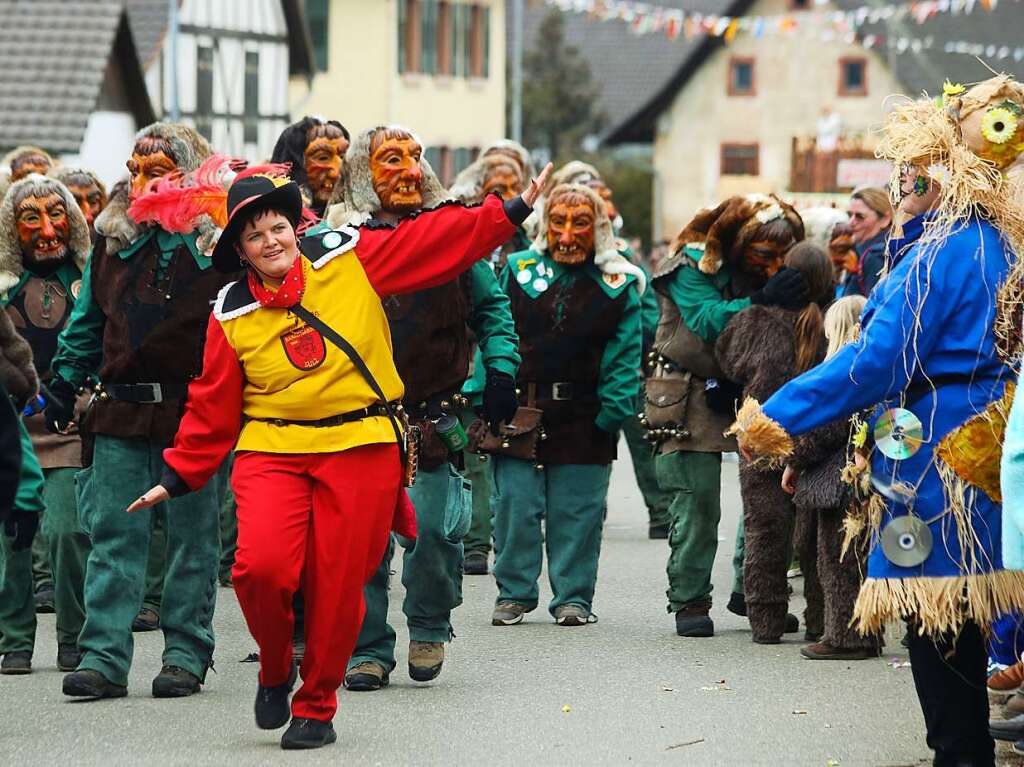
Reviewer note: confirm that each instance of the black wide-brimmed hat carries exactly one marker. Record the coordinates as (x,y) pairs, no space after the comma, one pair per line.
(277,192)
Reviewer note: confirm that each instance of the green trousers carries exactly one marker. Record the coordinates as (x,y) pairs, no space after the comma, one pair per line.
(642,453)
(695,480)
(228,534)
(479,471)
(17,597)
(156,562)
(122,470)
(570,500)
(737,558)
(42,572)
(431,569)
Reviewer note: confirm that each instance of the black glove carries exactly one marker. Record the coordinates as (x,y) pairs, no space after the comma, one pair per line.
(60,406)
(787,289)
(721,394)
(21,526)
(500,399)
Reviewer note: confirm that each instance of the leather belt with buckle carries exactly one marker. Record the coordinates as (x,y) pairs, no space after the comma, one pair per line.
(143,393)
(562,391)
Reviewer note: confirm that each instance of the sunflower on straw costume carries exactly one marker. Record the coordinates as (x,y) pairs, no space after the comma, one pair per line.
(928,356)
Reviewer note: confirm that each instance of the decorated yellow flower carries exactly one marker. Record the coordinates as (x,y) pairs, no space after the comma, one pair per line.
(999,125)
(951,90)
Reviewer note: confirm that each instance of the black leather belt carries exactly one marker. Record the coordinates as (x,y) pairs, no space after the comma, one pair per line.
(560,391)
(144,393)
(436,405)
(335,420)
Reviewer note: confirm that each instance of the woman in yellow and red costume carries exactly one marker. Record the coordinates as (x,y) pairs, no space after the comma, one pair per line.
(317,474)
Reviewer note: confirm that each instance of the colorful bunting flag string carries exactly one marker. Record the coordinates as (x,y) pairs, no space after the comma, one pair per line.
(647,18)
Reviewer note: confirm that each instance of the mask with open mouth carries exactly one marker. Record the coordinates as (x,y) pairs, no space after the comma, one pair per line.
(43,230)
(571,227)
(395,167)
(323,160)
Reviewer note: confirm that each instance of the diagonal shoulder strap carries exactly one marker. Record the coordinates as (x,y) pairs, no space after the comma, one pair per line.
(338,340)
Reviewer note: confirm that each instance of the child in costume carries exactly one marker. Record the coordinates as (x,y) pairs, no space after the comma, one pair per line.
(928,352)
(814,477)
(761,348)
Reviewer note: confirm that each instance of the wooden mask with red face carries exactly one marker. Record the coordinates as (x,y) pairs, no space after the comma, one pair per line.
(326,146)
(43,228)
(152,158)
(572,226)
(395,167)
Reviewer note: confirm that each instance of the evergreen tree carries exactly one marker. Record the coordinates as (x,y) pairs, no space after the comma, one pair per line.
(559,95)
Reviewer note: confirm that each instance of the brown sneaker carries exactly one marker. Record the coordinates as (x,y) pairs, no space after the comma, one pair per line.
(1003,684)
(508,614)
(425,660)
(825,651)
(366,677)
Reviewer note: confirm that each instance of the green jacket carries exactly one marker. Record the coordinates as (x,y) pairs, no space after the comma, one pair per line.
(699,297)
(30,480)
(492,324)
(67,275)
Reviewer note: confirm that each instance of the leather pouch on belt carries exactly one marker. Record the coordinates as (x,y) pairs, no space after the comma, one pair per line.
(433,452)
(517,439)
(665,398)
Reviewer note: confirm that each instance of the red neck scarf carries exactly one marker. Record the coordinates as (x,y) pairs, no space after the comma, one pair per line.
(284,297)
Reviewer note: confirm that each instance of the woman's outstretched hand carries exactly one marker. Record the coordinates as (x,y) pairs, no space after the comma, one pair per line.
(532,192)
(151,497)
(789,478)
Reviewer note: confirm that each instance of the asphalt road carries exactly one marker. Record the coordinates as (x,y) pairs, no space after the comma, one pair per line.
(626,690)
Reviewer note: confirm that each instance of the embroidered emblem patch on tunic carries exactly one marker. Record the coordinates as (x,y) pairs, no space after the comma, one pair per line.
(305,347)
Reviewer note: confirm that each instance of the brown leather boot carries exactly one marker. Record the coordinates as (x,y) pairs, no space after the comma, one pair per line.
(425,660)
(693,620)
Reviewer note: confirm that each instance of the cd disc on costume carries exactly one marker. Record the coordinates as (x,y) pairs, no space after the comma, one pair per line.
(906,541)
(898,433)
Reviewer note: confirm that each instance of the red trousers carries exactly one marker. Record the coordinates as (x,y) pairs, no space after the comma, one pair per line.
(322,520)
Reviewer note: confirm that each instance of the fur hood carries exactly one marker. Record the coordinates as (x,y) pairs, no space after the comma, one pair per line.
(574,172)
(66,173)
(607,258)
(468,185)
(17,373)
(355,201)
(189,149)
(715,230)
(11,265)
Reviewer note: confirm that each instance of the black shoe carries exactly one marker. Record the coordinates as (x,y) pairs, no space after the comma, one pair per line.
(44,600)
(694,621)
(812,636)
(272,710)
(657,532)
(87,683)
(475,563)
(18,662)
(68,656)
(737,604)
(148,619)
(175,682)
(792,624)
(1007,729)
(307,733)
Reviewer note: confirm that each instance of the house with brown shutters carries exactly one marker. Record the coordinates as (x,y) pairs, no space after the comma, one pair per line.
(436,66)
(792,114)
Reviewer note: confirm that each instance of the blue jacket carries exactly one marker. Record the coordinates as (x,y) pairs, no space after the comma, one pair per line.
(926,345)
